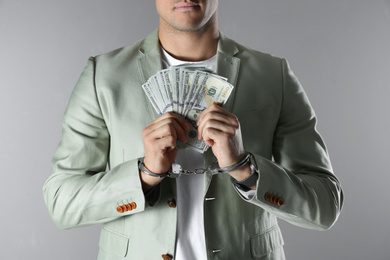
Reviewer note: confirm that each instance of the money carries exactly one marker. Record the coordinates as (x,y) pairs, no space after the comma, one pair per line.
(187,90)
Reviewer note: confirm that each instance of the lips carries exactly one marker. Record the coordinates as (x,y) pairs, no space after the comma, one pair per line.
(186,6)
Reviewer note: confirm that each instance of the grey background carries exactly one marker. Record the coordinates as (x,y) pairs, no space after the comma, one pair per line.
(338,49)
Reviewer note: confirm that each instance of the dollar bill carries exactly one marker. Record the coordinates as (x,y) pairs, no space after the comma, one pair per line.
(187,90)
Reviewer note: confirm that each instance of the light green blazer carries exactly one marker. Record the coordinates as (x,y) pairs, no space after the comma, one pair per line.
(103,125)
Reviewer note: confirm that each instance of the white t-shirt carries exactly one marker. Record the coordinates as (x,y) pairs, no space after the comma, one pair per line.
(190,238)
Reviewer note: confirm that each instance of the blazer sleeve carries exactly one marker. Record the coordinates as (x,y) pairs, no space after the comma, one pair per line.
(80,191)
(300,178)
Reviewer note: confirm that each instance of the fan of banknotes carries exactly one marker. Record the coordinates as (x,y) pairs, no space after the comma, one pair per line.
(187,90)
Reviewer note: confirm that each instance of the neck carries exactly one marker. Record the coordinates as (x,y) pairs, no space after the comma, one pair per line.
(190,46)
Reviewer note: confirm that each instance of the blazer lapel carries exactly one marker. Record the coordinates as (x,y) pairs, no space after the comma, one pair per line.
(150,62)
(228,66)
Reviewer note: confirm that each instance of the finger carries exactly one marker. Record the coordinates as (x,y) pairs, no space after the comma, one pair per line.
(219,121)
(166,144)
(157,146)
(170,129)
(218,113)
(176,119)
(211,136)
(165,127)
(225,122)
(170,115)
(221,127)
(214,108)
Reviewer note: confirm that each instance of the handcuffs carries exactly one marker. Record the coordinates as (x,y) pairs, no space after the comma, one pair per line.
(213,168)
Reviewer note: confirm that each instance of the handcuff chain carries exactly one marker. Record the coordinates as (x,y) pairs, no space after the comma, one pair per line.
(214,168)
(177,171)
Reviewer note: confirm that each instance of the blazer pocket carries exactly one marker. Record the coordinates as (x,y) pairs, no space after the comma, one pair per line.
(113,243)
(265,243)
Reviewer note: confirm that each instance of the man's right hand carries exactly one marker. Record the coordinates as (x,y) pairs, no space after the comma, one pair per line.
(160,138)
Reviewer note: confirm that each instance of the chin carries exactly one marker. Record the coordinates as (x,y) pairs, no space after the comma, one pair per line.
(190,26)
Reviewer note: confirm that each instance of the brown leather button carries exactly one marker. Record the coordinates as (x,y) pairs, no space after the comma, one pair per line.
(133,205)
(274,199)
(167,257)
(119,209)
(124,208)
(128,207)
(279,202)
(171,203)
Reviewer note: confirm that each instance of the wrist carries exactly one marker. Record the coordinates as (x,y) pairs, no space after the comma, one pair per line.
(246,177)
(148,178)
(142,167)
(147,181)
(152,167)
(241,173)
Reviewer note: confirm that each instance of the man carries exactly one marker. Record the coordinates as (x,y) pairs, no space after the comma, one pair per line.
(225,216)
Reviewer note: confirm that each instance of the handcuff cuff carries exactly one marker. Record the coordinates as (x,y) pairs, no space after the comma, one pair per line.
(213,168)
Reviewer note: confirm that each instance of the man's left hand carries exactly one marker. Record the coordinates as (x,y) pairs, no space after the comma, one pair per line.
(221,130)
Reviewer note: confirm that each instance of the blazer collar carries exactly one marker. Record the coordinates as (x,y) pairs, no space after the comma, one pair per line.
(150,61)
(228,65)
(150,56)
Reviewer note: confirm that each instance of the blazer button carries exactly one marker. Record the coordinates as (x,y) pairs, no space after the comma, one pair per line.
(171,203)
(128,207)
(124,208)
(279,202)
(119,209)
(167,257)
(133,205)
(267,196)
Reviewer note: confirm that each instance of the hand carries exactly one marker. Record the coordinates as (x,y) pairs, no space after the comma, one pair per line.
(221,130)
(160,138)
